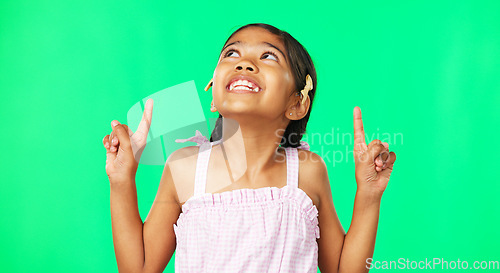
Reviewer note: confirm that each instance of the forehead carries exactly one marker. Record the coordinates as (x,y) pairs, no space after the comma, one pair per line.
(257,35)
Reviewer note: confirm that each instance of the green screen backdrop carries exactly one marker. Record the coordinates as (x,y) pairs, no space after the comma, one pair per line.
(425,74)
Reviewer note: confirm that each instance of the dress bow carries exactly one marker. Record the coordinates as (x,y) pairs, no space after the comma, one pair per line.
(201,139)
(198,138)
(304,146)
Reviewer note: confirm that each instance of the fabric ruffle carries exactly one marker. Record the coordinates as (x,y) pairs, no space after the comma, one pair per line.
(197,138)
(244,197)
(200,139)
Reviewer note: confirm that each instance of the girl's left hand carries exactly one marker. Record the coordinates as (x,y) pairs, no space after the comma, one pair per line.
(374,162)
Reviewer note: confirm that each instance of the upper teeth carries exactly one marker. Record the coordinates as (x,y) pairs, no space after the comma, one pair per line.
(243,85)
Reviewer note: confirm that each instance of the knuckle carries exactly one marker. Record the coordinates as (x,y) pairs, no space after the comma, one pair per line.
(374,142)
(379,148)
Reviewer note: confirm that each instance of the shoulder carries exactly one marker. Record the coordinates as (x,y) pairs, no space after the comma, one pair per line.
(313,174)
(181,165)
(183,159)
(184,154)
(313,163)
(312,166)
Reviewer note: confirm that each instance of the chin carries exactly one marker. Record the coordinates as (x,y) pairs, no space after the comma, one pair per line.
(234,114)
(238,107)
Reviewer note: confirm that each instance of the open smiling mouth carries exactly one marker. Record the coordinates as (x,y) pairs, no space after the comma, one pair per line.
(243,86)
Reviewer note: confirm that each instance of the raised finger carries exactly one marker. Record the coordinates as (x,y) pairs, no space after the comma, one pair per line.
(147,115)
(359,133)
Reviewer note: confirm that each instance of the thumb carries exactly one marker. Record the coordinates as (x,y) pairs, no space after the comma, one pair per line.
(116,122)
(121,131)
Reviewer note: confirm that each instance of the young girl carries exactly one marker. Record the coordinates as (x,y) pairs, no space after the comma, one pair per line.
(253,198)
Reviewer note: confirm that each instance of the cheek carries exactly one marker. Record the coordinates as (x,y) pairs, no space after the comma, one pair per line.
(280,83)
(289,82)
(219,84)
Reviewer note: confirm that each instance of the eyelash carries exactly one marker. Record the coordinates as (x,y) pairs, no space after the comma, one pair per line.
(272,53)
(267,52)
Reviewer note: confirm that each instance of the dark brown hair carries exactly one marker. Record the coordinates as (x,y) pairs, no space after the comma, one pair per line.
(301,64)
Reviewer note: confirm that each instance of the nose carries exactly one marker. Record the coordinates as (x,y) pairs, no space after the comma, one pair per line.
(246,65)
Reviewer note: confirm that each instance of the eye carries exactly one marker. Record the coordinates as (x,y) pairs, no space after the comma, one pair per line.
(270,54)
(229,52)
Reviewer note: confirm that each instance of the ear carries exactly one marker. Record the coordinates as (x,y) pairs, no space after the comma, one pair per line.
(297,109)
(212,107)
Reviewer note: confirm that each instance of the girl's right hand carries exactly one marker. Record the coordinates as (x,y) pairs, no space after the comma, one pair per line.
(124,147)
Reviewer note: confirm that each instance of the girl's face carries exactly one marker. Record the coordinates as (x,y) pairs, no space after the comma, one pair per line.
(258,56)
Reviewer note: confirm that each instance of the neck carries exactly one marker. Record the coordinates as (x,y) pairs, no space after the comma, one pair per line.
(250,148)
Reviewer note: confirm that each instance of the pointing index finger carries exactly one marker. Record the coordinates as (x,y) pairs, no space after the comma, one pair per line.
(359,132)
(146,118)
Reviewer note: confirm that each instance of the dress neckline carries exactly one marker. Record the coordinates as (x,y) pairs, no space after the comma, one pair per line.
(191,199)
(244,198)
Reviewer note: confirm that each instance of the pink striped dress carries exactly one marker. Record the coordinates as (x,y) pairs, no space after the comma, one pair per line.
(267,229)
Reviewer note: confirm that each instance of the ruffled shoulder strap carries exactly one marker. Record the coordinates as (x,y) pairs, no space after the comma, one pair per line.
(202,161)
(197,138)
(304,146)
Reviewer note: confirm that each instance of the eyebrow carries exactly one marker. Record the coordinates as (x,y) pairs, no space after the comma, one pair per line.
(264,43)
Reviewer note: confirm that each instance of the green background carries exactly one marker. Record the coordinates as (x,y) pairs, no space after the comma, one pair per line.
(426,70)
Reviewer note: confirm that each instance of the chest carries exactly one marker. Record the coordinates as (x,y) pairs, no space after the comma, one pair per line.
(223,175)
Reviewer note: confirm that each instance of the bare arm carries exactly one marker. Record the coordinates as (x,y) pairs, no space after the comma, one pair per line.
(373,167)
(331,232)
(144,247)
(359,243)
(347,253)
(127,227)
(148,246)
(159,236)
(341,252)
